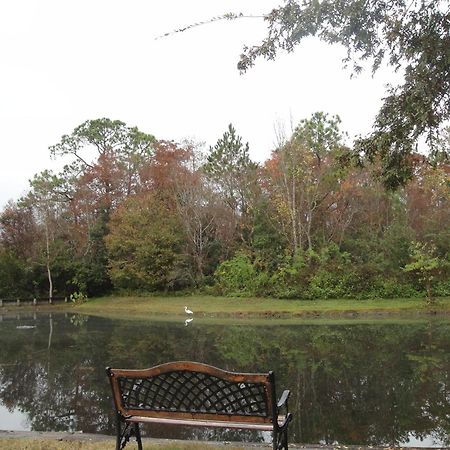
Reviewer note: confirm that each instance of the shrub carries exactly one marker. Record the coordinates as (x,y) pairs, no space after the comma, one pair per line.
(237,277)
(392,288)
(12,276)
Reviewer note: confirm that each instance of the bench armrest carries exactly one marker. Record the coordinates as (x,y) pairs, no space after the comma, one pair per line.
(284,399)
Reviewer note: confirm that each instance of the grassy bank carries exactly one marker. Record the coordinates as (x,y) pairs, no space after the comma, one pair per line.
(38,444)
(94,443)
(208,306)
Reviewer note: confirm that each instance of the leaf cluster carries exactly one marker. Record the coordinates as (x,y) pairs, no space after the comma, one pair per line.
(410,35)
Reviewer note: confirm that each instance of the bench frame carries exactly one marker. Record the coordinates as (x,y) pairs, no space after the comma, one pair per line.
(140,396)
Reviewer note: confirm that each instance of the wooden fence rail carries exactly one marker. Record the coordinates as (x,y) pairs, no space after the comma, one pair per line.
(32,301)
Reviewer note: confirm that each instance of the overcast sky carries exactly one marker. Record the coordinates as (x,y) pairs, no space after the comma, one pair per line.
(64,62)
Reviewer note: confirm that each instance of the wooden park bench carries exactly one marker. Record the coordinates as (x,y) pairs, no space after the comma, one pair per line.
(195,394)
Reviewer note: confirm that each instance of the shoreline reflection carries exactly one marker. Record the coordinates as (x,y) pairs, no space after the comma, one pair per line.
(369,384)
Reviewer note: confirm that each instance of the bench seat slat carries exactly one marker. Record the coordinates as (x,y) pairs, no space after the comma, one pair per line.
(205,416)
(202,423)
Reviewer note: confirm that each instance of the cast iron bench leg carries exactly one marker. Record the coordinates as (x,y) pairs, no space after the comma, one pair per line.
(280,440)
(124,432)
(137,432)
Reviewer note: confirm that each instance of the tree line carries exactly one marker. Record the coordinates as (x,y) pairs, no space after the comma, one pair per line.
(132,213)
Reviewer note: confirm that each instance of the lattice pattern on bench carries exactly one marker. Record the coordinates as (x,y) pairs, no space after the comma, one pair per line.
(194,392)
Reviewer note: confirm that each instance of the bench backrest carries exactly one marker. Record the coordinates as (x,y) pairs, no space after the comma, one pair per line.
(187,389)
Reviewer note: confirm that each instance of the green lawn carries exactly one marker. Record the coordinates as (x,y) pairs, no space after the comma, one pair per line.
(40,444)
(222,307)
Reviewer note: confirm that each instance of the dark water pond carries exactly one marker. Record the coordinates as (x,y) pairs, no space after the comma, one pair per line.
(359,383)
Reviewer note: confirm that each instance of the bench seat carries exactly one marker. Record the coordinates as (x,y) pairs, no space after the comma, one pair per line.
(206,423)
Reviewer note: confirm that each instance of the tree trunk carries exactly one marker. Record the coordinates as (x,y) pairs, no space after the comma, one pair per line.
(49,272)
(429,292)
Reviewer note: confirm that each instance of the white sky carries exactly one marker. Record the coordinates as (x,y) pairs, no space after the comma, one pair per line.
(64,62)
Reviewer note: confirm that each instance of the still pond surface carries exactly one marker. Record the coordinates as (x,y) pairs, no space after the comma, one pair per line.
(382,383)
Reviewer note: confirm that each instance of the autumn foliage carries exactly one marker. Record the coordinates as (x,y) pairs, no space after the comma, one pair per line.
(136,214)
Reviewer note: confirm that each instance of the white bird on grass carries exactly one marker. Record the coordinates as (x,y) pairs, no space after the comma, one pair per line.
(188,321)
(187,311)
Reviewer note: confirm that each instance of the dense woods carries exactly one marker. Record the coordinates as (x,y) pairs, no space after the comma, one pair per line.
(133,213)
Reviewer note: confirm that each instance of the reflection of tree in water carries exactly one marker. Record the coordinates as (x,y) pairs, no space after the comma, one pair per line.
(355,384)
(51,378)
(202,434)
